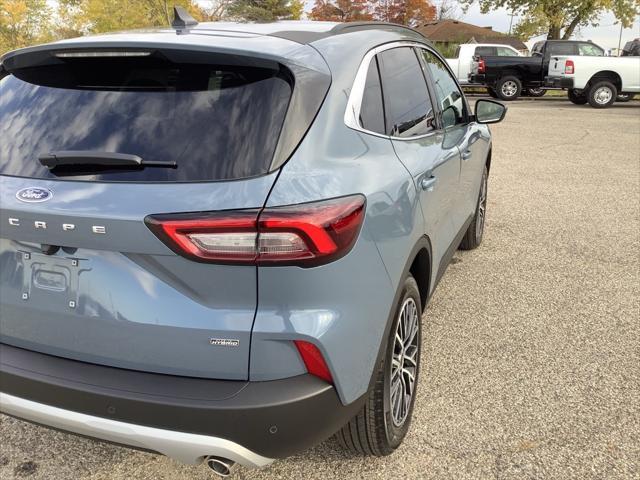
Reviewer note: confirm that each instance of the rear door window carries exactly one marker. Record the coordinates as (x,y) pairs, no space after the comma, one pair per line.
(372,110)
(485,51)
(215,121)
(590,50)
(408,108)
(562,48)
(505,52)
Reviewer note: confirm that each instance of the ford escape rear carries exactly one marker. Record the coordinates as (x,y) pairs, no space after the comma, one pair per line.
(209,250)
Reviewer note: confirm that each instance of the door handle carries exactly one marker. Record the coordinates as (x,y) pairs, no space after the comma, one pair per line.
(467,155)
(428,183)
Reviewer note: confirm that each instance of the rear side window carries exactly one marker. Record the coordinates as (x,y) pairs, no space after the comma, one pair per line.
(372,110)
(590,50)
(215,121)
(485,51)
(562,49)
(537,48)
(407,104)
(505,52)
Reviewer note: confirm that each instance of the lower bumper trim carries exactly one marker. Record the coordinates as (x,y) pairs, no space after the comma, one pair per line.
(559,82)
(185,447)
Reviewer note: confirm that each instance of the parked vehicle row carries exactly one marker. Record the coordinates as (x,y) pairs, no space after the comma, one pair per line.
(507,76)
(462,64)
(597,81)
(207,250)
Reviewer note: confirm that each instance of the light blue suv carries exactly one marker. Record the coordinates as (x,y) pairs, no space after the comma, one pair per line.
(218,240)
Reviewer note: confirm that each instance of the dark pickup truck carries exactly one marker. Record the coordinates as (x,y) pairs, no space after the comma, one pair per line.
(509,77)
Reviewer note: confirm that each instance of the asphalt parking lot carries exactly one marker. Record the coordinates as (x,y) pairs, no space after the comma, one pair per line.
(531,360)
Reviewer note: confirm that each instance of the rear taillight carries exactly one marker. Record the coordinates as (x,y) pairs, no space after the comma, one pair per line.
(481,66)
(308,234)
(569,67)
(313,360)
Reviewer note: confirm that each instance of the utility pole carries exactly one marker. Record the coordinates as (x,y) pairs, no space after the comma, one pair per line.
(511,21)
(620,39)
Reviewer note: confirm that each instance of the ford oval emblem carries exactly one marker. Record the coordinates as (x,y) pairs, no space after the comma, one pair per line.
(34,194)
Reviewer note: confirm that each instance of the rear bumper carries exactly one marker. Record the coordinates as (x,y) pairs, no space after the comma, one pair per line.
(477,78)
(185,447)
(558,82)
(184,418)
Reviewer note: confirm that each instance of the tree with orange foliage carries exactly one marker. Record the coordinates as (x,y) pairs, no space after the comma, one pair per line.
(405,12)
(341,10)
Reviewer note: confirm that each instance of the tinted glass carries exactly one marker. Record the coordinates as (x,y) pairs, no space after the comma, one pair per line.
(449,96)
(505,52)
(485,51)
(562,49)
(537,48)
(216,122)
(372,111)
(407,105)
(590,50)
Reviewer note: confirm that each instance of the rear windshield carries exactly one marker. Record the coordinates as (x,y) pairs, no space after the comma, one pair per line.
(214,122)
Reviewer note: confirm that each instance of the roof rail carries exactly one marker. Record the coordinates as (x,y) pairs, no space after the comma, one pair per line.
(350,26)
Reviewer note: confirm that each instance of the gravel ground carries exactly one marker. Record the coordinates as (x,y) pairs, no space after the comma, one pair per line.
(531,363)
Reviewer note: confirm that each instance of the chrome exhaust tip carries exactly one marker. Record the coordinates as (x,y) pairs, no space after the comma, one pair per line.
(220,466)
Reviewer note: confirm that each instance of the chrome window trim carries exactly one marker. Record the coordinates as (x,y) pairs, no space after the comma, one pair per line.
(354,103)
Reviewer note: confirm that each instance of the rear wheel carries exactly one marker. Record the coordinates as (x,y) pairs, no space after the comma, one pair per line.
(509,88)
(577,98)
(379,428)
(473,236)
(602,94)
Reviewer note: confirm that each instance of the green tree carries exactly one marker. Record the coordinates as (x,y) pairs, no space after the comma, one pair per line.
(98,16)
(23,23)
(260,10)
(560,18)
(297,9)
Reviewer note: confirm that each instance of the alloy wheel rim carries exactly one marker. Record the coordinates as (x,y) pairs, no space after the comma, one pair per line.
(404,363)
(603,95)
(509,88)
(482,209)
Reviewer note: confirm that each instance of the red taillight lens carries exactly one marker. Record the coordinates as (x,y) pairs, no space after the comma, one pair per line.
(481,66)
(226,236)
(313,360)
(569,67)
(307,234)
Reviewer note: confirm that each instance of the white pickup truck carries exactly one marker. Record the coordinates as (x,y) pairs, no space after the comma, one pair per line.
(599,81)
(461,65)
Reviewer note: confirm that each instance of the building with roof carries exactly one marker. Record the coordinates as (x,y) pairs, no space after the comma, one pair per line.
(454,32)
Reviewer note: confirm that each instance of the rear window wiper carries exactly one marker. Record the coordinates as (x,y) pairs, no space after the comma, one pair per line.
(69,158)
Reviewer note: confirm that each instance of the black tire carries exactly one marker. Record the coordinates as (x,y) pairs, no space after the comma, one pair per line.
(373,430)
(509,88)
(577,98)
(625,97)
(492,93)
(602,94)
(473,236)
(535,92)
